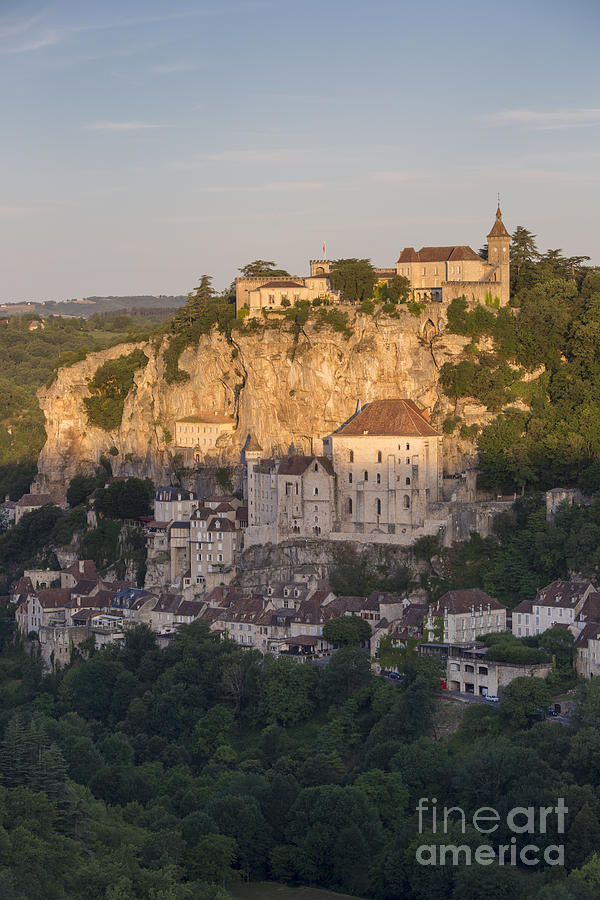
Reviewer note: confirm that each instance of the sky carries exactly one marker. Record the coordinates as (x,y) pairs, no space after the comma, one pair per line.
(143,144)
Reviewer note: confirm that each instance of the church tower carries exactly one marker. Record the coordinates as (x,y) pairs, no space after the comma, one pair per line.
(498,256)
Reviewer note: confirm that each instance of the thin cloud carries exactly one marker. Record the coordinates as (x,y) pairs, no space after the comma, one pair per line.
(125,126)
(272,187)
(170,68)
(546,120)
(17,212)
(402,176)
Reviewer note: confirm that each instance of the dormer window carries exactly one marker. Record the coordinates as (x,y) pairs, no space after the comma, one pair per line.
(286,592)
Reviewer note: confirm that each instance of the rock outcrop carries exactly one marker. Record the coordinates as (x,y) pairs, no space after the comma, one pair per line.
(288,388)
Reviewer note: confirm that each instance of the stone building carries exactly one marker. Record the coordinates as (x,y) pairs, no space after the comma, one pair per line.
(29,503)
(173,503)
(461,616)
(215,539)
(200,433)
(558,603)
(435,273)
(388,463)
(289,497)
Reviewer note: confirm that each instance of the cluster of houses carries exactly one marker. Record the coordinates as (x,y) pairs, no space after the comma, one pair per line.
(64,609)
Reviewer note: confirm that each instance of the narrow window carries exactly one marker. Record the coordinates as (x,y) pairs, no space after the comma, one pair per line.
(379,456)
(349,477)
(408,480)
(406,501)
(378,507)
(351,456)
(378,479)
(350,505)
(366,476)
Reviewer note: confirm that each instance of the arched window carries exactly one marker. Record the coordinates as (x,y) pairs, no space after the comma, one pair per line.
(316,467)
(366,475)
(408,480)
(378,506)
(378,478)
(349,477)
(316,492)
(408,446)
(351,456)
(406,501)
(379,456)
(350,505)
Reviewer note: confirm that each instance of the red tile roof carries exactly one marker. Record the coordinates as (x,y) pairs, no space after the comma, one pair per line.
(297,465)
(438,254)
(399,417)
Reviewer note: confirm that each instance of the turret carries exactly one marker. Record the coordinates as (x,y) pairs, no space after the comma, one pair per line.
(499,255)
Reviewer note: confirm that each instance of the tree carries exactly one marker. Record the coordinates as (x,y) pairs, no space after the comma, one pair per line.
(80,488)
(197,302)
(523,700)
(262,268)
(354,279)
(560,643)
(346,671)
(396,290)
(346,631)
(212,859)
(523,248)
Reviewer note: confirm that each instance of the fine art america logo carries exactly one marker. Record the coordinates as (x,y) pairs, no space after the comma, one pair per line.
(521,820)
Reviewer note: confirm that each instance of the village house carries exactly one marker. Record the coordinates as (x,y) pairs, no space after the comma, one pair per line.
(173,503)
(198,435)
(556,604)
(468,671)
(30,502)
(215,539)
(461,616)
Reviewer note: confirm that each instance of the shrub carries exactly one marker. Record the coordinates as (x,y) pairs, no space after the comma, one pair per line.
(109,387)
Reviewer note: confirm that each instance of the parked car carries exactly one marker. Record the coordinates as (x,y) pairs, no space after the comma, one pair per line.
(491,698)
(552,712)
(396,676)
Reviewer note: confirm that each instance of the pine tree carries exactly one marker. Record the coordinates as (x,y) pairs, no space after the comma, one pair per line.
(523,248)
(197,304)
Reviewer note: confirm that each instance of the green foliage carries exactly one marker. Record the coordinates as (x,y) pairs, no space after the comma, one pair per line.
(81,486)
(262,268)
(354,574)
(109,388)
(524,700)
(126,499)
(203,311)
(346,631)
(354,279)
(101,543)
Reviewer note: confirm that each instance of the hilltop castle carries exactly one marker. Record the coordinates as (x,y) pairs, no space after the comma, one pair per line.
(437,274)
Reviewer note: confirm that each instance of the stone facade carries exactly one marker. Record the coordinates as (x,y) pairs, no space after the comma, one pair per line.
(200,433)
(438,274)
(388,463)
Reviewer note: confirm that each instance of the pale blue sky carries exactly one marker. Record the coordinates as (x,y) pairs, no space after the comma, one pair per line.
(144,143)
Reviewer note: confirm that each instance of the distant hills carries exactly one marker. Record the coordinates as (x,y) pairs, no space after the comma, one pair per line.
(91,306)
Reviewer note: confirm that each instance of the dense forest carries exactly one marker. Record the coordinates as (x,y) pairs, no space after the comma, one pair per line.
(166,774)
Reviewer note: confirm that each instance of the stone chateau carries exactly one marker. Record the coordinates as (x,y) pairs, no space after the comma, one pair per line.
(437,274)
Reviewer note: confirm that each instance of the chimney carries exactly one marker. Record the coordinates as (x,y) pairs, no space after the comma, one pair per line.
(81,568)
(6,498)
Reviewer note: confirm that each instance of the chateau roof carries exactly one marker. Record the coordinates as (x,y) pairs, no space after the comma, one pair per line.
(388,417)
(280,284)
(498,229)
(297,465)
(438,254)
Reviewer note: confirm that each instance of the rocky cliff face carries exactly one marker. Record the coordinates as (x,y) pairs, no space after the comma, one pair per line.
(289,389)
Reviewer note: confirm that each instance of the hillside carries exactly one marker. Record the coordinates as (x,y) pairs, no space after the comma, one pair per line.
(91,306)
(288,386)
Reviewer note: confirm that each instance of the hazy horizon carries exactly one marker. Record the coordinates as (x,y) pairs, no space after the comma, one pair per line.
(148,143)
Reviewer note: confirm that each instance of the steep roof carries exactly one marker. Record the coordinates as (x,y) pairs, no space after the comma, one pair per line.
(438,254)
(34,500)
(461,601)
(498,229)
(169,494)
(253,444)
(388,417)
(219,524)
(562,593)
(297,465)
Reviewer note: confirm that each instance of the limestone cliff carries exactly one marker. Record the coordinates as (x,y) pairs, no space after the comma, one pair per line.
(289,389)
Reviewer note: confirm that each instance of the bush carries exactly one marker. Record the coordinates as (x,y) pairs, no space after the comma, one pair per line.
(109,388)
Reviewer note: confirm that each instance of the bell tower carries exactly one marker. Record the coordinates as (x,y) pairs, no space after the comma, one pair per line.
(499,257)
